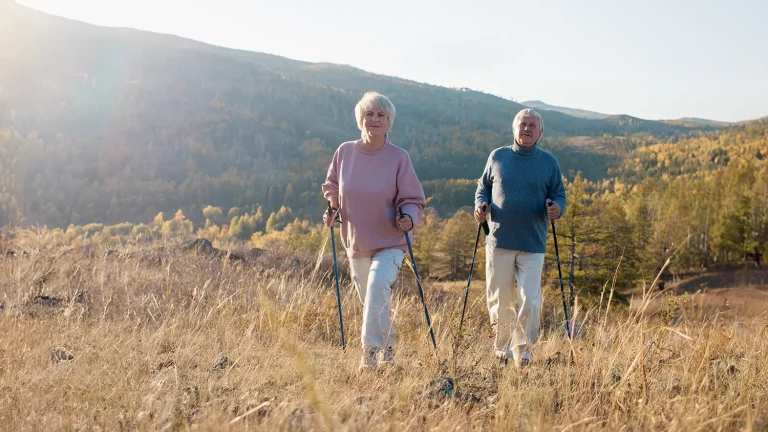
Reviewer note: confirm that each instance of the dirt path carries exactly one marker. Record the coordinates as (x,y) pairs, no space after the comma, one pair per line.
(751,278)
(735,294)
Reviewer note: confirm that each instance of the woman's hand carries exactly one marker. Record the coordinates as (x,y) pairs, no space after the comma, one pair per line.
(404,222)
(331,214)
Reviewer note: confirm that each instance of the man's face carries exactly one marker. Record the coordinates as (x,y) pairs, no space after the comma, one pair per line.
(527,131)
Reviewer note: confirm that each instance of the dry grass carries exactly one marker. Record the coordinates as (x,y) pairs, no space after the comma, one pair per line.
(148,332)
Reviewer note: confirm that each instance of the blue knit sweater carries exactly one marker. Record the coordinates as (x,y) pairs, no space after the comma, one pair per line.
(516,183)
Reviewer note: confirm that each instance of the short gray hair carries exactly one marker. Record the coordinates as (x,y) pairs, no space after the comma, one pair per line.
(374,100)
(528,112)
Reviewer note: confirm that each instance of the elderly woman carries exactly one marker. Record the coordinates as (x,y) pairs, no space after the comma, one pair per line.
(367,182)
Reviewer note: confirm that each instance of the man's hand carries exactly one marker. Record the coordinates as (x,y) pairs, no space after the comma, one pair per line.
(481,213)
(553,210)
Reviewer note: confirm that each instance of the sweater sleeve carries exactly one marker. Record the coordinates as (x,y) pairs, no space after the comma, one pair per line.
(410,194)
(331,186)
(557,189)
(484,190)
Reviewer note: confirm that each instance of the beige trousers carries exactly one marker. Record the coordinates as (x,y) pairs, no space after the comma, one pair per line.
(373,277)
(515,311)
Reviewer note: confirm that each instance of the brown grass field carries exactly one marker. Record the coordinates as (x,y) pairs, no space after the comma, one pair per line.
(166,339)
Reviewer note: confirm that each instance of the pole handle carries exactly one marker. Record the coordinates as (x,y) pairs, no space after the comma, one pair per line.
(333,213)
(486,228)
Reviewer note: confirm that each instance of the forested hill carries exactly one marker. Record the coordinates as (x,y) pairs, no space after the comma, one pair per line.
(111,125)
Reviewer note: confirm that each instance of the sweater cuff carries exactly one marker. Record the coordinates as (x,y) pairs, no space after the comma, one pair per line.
(414,211)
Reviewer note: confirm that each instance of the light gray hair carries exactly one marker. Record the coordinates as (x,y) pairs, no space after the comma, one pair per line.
(528,112)
(374,100)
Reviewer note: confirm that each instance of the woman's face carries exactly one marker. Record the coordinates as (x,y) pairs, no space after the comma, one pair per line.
(375,122)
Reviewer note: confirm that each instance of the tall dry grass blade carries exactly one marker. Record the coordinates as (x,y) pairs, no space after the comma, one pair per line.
(300,359)
(320,255)
(578,423)
(249,412)
(613,288)
(722,417)
(602,295)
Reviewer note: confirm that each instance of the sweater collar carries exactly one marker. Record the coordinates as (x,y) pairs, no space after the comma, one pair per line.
(525,151)
(359,147)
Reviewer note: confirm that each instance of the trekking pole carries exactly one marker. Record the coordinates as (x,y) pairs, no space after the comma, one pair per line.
(418,283)
(487,230)
(336,274)
(560,273)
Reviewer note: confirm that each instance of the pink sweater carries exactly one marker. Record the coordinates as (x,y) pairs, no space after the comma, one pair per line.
(371,186)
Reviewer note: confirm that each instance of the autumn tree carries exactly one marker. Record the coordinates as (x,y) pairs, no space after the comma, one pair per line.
(456,244)
(278,220)
(425,240)
(214,214)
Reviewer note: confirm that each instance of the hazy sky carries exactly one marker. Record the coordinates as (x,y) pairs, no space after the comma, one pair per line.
(652,58)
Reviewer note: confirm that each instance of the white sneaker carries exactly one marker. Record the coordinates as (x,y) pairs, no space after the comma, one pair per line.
(369,361)
(388,356)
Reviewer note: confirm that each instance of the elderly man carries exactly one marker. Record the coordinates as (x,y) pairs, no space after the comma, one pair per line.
(522,188)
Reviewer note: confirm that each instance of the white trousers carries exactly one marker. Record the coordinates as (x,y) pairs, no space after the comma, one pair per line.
(517,328)
(373,277)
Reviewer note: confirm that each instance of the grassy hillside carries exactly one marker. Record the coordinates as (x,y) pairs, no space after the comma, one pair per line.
(168,340)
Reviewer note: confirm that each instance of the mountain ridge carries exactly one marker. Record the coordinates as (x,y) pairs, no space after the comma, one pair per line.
(120,124)
(575,112)
(692,122)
